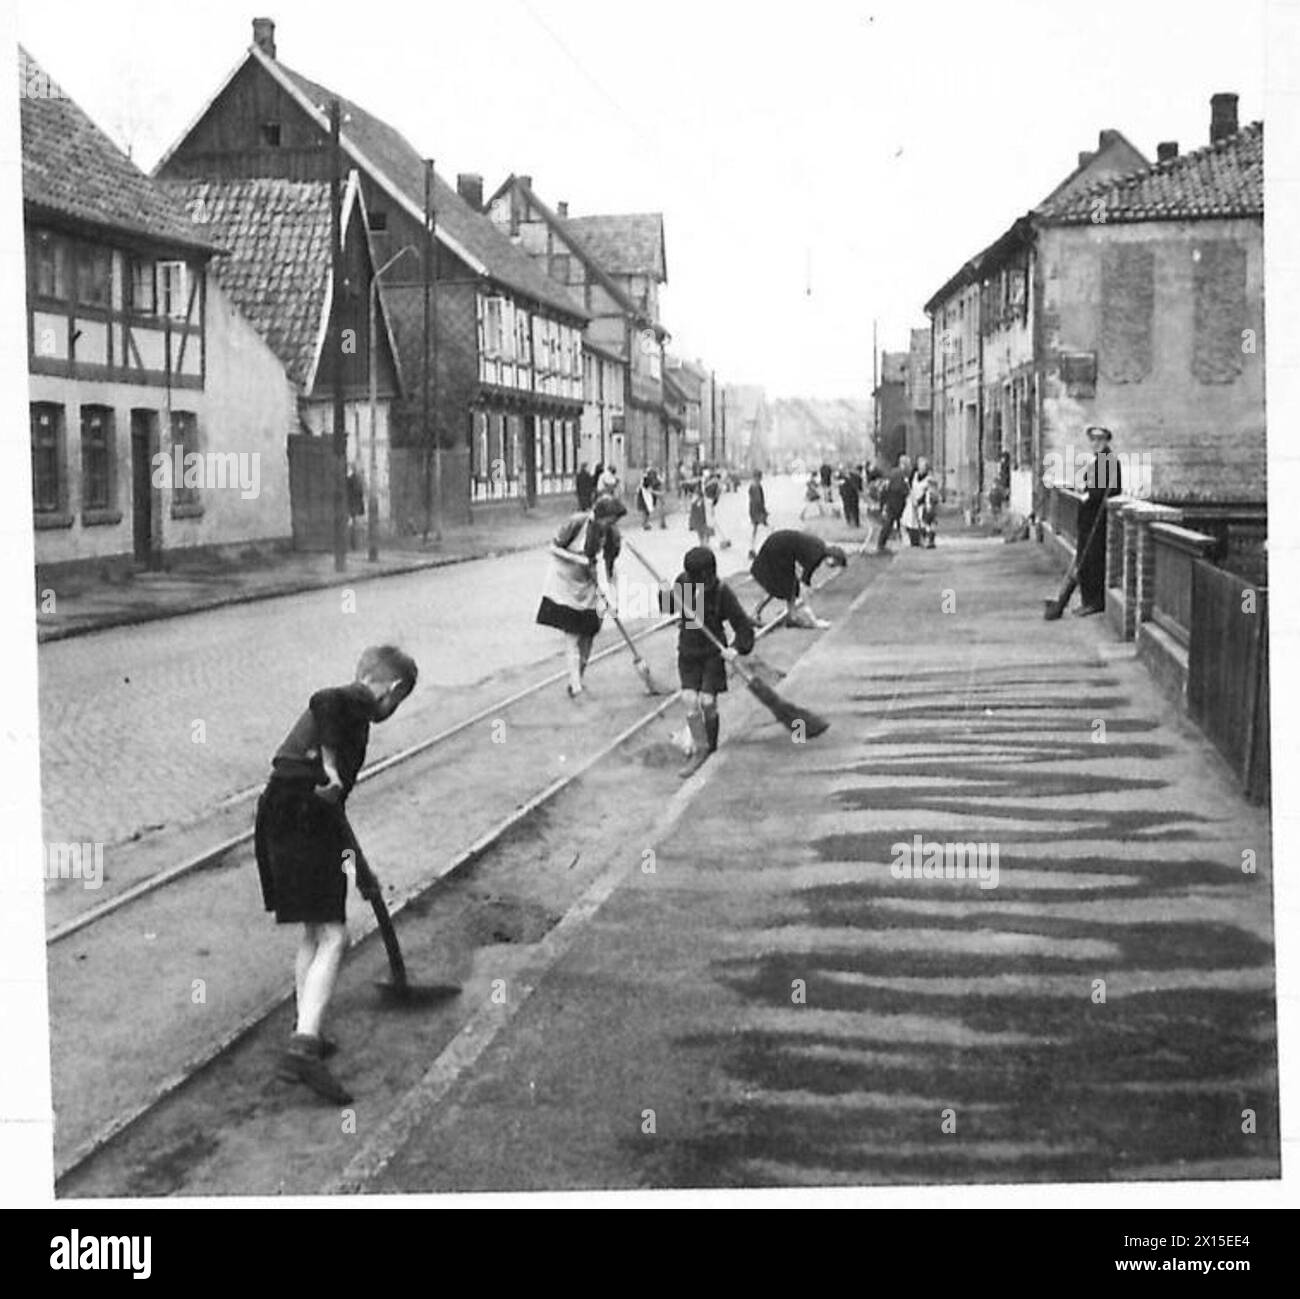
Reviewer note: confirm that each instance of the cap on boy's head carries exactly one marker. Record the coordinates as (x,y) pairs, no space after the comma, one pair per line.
(837,556)
(1098,433)
(609,508)
(701,564)
(388,663)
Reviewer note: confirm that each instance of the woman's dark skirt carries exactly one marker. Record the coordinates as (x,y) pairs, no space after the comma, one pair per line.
(300,842)
(775,578)
(577,622)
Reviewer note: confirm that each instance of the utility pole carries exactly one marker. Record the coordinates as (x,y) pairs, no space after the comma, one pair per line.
(875,392)
(713,417)
(336,306)
(431,341)
(426,271)
(723,442)
(373,366)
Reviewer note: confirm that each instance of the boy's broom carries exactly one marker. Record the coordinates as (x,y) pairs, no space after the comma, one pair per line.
(788,714)
(398,989)
(1055,608)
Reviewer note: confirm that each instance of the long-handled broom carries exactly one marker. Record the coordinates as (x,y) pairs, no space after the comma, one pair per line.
(809,724)
(641,666)
(398,990)
(1055,608)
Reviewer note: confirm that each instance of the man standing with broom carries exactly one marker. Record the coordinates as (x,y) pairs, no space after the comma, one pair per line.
(1100,480)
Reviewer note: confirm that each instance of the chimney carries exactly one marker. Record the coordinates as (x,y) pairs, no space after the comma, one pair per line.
(1106,137)
(469,185)
(1166,150)
(264,36)
(562,207)
(1085,157)
(1223,117)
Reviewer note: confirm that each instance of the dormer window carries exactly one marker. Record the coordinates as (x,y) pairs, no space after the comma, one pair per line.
(271,135)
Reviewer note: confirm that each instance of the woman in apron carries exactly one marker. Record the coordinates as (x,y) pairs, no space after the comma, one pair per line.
(572,590)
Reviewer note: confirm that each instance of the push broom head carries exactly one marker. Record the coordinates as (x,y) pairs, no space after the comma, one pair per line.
(788,714)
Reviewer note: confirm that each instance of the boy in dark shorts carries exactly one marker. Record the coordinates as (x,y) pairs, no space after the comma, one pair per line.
(704,601)
(786,562)
(302,838)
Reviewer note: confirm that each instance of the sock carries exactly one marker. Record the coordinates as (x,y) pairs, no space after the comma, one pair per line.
(711,728)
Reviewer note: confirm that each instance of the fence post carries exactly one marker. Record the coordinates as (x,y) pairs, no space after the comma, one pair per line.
(1146,556)
(1128,566)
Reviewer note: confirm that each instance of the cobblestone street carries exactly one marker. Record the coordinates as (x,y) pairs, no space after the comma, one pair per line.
(147,726)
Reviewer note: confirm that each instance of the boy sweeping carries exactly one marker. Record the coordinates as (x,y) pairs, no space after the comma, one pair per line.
(302,839)
(704,601)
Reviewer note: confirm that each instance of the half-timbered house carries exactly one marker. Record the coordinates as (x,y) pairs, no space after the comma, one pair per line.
(158,416)
(500,365)
(277,270)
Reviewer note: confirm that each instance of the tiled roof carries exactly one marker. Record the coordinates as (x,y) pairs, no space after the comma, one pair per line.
(1225,179)
(630,244)
(689,382)
(564,229)
(71,168)
(391,153)
(278,267)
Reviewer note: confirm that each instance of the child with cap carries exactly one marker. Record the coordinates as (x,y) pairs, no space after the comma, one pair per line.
(704,601)
(302,839)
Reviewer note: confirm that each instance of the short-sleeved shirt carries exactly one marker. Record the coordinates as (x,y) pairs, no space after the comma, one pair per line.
(337,718)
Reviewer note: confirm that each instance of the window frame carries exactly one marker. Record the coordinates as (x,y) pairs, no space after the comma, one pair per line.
(165,304)
(56,512)
(185,433)
(43,241)
(94,475)
(90,257)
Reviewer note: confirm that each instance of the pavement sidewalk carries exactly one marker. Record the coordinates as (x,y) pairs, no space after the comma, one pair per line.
(781,1002)
(91,601)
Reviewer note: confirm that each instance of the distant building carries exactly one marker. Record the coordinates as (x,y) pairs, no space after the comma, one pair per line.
(895,430)
(813,429)
(961,311)
(276,269)
(686,386)
(158,415)
(1152,298)
(744,433)
(916,391)
(1053,327)
(624,324)
(630,246)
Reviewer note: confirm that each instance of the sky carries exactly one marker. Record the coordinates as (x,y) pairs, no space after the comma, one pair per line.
(819,166)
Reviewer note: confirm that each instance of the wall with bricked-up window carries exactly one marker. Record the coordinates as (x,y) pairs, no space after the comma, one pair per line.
(1174,312)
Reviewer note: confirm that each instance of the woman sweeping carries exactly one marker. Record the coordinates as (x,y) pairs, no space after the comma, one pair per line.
(572,589)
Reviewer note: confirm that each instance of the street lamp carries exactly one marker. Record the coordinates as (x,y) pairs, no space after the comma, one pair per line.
(373,502)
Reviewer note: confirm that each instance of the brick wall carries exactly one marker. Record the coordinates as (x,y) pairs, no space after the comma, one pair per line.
(1165,305)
